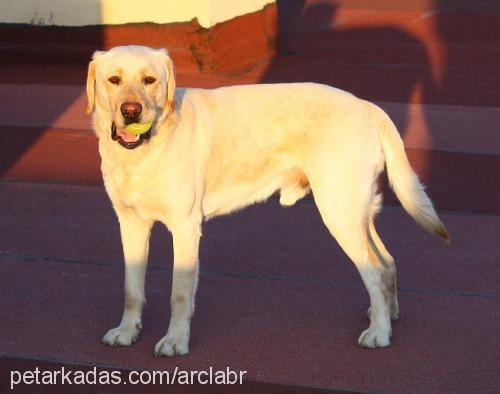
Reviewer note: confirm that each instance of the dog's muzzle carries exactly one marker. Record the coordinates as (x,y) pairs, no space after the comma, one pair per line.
(129,144)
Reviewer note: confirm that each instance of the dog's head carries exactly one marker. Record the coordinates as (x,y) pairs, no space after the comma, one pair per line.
(133,88)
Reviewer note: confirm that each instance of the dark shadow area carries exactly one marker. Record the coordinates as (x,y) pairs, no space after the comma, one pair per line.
(440,53)
(376,63)
(467,33)
(379,63)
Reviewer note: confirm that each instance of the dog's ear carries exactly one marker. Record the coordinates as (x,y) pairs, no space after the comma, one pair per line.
(91,81)
(169,64)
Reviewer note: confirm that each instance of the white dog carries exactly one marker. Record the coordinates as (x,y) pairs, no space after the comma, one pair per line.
(211,152)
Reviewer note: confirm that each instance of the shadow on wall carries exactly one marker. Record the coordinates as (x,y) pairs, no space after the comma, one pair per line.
(355,51)
(436,52)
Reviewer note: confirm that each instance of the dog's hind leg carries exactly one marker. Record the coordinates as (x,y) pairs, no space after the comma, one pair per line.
(379,250)
(344,199)
(135,234)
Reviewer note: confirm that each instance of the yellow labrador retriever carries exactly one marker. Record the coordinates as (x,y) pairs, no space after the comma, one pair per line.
(211,152)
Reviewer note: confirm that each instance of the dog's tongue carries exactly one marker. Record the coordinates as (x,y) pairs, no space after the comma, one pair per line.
(126,136)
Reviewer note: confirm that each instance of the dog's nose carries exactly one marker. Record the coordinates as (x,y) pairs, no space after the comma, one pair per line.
(131,110)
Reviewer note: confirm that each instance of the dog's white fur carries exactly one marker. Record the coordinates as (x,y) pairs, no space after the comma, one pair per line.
(215,151)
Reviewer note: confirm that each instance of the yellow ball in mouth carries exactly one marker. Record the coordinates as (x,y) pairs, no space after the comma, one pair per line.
(138,128)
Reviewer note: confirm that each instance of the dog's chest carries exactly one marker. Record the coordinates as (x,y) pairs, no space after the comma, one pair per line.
(138,192)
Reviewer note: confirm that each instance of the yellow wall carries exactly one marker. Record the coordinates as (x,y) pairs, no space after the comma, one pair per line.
(96,12)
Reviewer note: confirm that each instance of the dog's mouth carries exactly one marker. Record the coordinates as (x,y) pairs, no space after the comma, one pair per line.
(129,140)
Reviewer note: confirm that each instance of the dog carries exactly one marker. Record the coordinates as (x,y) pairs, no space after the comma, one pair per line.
(212,152)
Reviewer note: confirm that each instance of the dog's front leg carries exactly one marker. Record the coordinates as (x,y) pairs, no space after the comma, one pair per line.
(135,234)
(186,236)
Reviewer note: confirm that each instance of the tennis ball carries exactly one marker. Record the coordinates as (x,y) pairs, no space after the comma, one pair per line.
(138,128)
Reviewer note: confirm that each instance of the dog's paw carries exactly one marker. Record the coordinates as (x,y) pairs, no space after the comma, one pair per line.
(121,336)
(372,338)
(172,345)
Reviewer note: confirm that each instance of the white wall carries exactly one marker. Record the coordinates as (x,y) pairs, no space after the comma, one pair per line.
(111,12)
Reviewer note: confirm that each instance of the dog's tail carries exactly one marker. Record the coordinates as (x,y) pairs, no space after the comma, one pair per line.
(403,179)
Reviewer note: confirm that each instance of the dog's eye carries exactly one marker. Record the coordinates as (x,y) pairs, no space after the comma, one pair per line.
(149,80)
(115,80)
